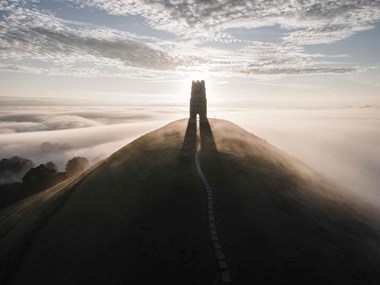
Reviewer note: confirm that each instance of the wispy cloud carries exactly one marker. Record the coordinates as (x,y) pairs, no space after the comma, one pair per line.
(33,41)
(36,40)
(200,17)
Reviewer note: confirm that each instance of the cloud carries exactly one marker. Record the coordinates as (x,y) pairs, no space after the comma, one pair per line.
(30,122)
(55,147)
(57,48)
(200,16)
(60,118)
(57,134)
(324,34)
(36,40)
(295,71)
(20,68)
(129,52)
(44,146)
(339,142)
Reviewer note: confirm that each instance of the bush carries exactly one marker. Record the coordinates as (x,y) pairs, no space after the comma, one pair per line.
(76,165)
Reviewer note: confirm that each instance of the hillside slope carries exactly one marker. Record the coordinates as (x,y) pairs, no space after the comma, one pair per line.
(140,217)
(281,221)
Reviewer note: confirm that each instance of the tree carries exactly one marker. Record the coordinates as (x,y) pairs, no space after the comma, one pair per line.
(51,165)
(13,169)
(76,165)
(40,177)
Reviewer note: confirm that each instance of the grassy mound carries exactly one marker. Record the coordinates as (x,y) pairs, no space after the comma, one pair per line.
(140,217)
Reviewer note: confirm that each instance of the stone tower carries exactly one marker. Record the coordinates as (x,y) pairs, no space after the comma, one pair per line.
(198,101)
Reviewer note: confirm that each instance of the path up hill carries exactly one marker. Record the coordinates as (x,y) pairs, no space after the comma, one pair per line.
(140,217)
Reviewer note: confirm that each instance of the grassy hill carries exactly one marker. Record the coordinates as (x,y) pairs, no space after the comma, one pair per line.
(140,217)
(281,221)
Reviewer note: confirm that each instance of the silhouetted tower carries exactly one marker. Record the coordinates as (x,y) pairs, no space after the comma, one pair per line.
(198,101)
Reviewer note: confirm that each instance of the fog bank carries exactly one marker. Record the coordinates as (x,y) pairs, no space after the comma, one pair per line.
(340,140)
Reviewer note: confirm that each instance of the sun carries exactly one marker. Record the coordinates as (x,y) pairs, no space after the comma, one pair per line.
(195,73)
(198,75)
(201,71)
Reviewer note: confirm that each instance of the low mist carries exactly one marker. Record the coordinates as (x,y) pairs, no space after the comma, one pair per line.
(341,141)
(59,133)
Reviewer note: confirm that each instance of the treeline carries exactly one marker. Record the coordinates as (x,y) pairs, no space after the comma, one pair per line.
(20,178)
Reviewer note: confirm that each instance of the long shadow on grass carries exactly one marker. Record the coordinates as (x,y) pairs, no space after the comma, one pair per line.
(189,142)
(207,138)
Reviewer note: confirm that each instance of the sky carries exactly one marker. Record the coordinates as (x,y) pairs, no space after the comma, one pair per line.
(71,44)
(90,76)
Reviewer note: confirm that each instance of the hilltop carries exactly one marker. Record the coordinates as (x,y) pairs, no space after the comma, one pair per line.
(140,217)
